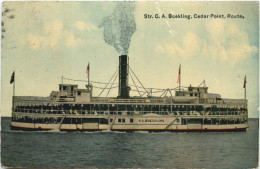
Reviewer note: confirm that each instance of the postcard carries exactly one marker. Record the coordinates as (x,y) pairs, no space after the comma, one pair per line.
(130,84)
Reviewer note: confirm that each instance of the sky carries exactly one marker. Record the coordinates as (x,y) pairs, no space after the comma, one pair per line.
(43,41)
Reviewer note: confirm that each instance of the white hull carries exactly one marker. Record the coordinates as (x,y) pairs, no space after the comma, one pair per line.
(128,127)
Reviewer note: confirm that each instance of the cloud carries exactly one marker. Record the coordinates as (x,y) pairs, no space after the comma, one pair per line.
(82,26)
(223,41)
(72,41)
(191,46)
(54,32)
(54,36)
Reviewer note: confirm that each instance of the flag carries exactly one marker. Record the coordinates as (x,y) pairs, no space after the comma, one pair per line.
(87,71)
(12,78)
(179,75)
(245,82)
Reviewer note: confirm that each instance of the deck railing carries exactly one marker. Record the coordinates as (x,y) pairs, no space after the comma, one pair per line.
(134,100)
(115,100)
(31,98)
(116,112)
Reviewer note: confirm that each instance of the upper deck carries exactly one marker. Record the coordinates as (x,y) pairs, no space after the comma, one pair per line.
(135,101)
(70,94)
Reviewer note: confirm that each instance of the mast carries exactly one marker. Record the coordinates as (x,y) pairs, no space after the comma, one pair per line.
(180,81)
(179,78)
(246,101)
(14,88)
(13,96)
(87,72)
(13,81)
(245,93)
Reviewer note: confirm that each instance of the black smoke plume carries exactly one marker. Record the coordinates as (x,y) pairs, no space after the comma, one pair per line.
(120,26)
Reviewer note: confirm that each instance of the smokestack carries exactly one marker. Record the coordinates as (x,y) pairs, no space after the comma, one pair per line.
(123,88)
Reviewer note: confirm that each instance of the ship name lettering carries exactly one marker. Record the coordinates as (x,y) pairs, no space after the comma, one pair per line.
(151,120)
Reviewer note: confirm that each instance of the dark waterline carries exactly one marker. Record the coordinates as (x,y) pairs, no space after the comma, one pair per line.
(129,150)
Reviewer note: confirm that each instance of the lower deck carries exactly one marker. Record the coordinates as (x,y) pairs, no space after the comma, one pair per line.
(149,122)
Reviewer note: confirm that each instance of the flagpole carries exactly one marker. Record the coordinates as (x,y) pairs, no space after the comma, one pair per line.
(13,93)
(245,99)
(245,87)
(88,73)
(180,84)
(14,88)
(180,79)
(245,93)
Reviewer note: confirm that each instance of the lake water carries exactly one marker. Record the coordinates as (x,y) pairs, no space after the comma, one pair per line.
(129,150)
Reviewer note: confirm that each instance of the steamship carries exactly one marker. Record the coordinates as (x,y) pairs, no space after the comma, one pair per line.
(74,109)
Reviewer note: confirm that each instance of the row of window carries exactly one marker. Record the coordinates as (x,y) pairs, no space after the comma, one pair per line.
(49,120)
(194,94)
(213,121)
(122,120)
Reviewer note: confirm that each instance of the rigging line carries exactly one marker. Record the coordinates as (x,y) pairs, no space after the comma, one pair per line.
(144,93)
(158,92)
(170,92)
(147,88)
(155,88)
(155,92)
(166,92)
(152,92)
(108,82)
(135,84)
(202,83)
(84,81)
(138,79)
(136,91)
(116,83)
(139,91)
(163,93)
(205,83)
(112,85)
(103,87)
